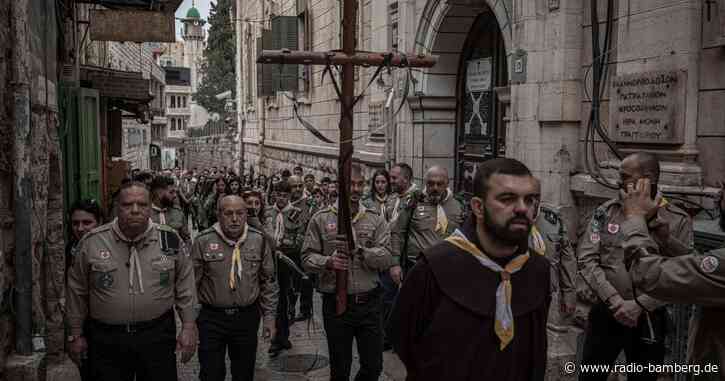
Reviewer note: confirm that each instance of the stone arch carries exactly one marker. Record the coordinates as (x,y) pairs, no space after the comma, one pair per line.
(443,30)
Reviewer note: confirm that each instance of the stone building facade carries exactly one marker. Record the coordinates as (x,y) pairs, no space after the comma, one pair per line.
(514,78)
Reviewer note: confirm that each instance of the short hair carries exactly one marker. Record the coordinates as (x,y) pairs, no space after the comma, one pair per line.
(380,172)
(142,177)
(297,168)
(649,163)
(89,206)
(132,184)
(309,176)
(281,186)
(325,180)
(219,200)
(161,182)
(405,170)
(498,166)
(356,169)
(286,173)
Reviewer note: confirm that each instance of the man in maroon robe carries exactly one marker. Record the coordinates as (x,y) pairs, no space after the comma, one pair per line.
(475,306)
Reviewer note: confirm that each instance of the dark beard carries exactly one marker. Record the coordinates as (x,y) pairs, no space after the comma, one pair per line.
(503,234)
(166,203)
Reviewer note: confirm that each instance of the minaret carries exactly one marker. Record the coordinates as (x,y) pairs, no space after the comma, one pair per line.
(193,36)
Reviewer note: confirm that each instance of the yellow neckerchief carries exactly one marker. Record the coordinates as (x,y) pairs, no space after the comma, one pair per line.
(162,214)
(279,223)
(504,326)
(236,254)
(441,217)
(134,262)
(536,241)
(396,208)
(382,200)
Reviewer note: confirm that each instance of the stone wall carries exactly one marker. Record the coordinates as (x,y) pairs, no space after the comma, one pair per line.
(44,169)
(210,151)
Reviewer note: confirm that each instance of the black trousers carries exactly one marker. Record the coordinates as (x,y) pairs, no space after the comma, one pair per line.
(284,280)
(363,322)
(606,338)
(390,293)
(302,290)
(146,355)
(236,332)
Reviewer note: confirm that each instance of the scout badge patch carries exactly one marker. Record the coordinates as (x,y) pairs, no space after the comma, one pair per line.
(594,237)
(709,264)
(613,228)
(104,254)
(213,247)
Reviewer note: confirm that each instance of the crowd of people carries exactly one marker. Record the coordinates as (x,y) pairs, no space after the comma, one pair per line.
(426,272)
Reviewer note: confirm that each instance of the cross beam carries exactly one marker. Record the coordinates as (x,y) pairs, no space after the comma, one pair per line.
(348,58)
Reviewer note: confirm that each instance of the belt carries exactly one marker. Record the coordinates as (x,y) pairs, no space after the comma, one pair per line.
(361,297)
(134,326)
(228,310)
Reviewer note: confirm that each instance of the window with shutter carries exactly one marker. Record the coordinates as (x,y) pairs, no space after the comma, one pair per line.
(265,84)
(284,36)
(89,141)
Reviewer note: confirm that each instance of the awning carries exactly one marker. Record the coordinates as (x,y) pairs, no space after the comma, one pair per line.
(126,90)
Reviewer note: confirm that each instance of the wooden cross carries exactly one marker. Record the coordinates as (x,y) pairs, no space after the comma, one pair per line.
(348,59)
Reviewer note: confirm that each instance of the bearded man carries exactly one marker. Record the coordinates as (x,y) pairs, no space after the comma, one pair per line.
(475,306)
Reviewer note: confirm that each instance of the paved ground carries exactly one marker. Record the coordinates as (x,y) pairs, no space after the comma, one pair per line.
(307,338)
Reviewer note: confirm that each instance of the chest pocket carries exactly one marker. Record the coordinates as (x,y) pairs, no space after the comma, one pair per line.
(364,235)
(424,218)
(163,270)
(251,260)
(104,275)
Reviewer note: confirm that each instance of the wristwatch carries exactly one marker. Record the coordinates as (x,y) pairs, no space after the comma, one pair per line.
(72,338)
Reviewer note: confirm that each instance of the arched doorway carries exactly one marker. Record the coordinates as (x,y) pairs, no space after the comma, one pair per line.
(457,115)
(480,130)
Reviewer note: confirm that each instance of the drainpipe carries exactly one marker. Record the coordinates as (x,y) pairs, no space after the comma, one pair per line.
(240,101)
(22,181)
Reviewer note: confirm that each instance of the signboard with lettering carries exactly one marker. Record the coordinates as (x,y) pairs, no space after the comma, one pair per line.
(478,74)
(648,107)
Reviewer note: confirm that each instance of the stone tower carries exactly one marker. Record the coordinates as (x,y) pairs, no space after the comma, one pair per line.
(193,36)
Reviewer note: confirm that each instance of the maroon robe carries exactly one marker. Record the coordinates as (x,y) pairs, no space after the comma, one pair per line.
(442,325)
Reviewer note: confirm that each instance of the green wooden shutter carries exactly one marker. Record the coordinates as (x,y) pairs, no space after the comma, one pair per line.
(285,36)
(265,84)
(68,105)
(89,143)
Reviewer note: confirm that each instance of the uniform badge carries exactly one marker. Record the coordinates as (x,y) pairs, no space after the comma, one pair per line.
(613,228)
(594,237)
(104,254)
(104,280)
(709,264)
(213,247)
(164,278)
(331,227)
(421,208)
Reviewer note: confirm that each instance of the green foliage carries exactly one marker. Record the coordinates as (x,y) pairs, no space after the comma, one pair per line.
(217,70)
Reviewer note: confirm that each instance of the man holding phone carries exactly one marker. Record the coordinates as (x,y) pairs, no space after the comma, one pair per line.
(625,318)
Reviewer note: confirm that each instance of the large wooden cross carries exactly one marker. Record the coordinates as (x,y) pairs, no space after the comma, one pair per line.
(348,58)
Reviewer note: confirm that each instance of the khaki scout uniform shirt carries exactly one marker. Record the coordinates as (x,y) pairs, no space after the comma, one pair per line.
(212,257)
(690,279)
(294,226)
(172,217)
(384,207)
(559,252)
(99,286)
(601,254)
(372,240)
(422,233)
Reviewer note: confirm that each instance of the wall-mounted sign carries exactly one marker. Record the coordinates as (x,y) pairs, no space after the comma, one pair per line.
(648,107)
(478,74)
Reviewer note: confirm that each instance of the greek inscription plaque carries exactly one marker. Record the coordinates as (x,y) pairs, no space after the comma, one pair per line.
(648,107)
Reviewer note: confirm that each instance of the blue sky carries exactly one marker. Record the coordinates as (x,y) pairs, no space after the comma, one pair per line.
(203,7)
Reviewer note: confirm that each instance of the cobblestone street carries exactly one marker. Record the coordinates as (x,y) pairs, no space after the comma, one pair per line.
(308,338)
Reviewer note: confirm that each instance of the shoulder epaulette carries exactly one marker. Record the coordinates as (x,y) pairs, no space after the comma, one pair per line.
(676,210)
(205,232)
(97,230)
(167,228)
(254,230)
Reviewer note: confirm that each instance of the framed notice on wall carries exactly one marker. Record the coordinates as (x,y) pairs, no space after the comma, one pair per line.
(478,74)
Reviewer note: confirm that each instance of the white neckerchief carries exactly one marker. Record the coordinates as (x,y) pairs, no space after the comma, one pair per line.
(134,261)
(396,208)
